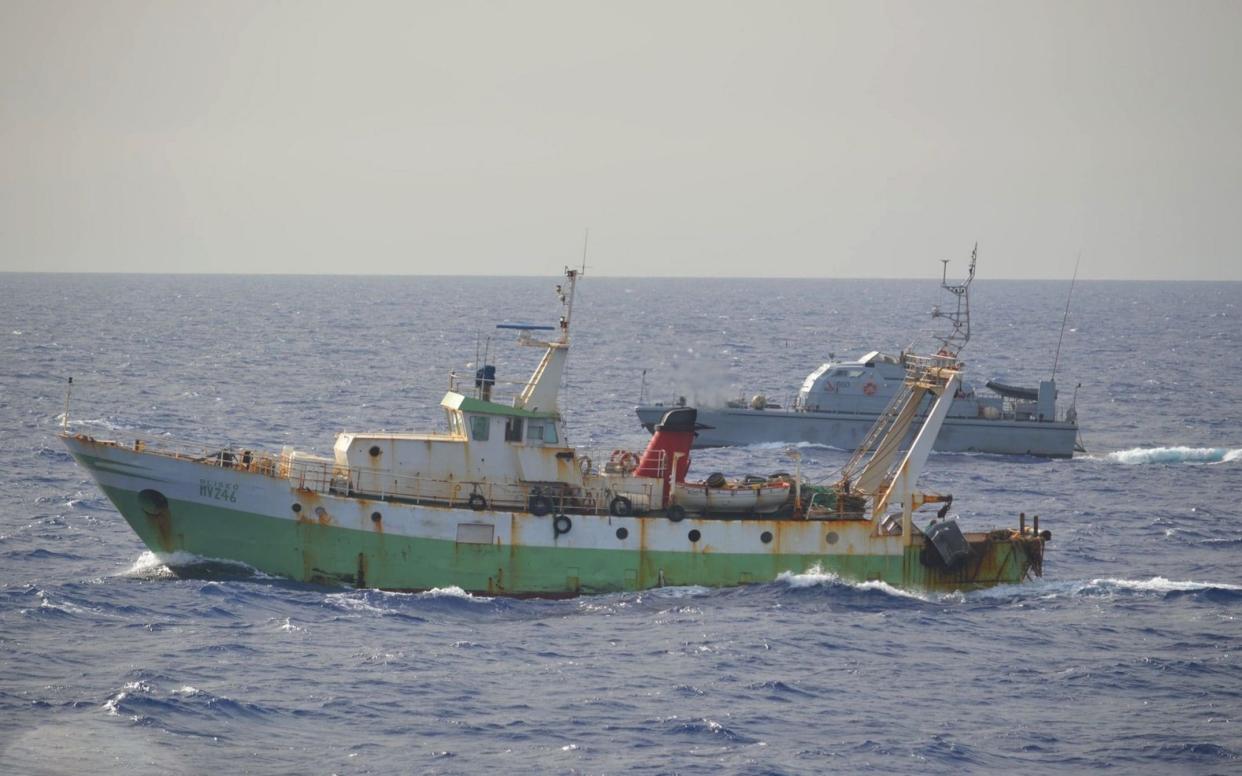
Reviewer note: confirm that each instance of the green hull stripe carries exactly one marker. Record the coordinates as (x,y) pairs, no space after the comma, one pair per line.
(308,551)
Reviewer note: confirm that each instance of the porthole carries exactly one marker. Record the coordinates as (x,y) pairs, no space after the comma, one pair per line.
(766,537)
(376,517)
(694,535)
(832,537)
(623,533)
(375,451)
(297,507)
(320,512)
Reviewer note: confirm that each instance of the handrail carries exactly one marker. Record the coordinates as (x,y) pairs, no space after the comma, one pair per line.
(320,474)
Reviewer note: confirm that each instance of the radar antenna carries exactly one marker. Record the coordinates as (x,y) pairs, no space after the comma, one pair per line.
(952,343)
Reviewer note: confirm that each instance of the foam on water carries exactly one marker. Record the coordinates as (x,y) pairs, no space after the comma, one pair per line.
(160,565)
(452,592)
(1161,585)
(356,602)
(817,577)
(1098,588)
(781,446)
(149,563)
(46,604)
(1170,455)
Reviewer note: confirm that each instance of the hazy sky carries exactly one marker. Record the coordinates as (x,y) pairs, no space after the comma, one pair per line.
(806,139)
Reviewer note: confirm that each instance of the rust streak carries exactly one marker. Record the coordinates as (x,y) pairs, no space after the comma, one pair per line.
(162,522)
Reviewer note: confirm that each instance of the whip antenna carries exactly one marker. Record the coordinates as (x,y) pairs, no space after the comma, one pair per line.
(1065,317)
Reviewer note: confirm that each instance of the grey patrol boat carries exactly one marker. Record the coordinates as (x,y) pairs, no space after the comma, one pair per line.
(839,402)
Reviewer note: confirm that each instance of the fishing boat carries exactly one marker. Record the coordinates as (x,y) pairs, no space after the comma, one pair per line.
(500,504)
(838,403)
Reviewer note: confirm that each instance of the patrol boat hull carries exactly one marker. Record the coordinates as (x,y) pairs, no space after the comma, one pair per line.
(846,430)
(840,401)
(217,508)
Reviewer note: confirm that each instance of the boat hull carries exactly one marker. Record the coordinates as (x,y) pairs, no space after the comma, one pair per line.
(223,513)
(703,498)
(846,430)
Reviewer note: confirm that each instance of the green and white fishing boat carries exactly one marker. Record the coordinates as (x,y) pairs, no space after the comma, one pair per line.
(500,504)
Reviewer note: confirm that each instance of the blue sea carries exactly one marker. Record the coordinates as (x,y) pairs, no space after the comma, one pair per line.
(1126,655)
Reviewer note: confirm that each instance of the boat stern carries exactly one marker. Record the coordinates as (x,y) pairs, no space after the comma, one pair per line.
(975,560)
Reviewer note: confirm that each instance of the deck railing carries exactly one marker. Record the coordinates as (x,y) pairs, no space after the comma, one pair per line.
(324,475)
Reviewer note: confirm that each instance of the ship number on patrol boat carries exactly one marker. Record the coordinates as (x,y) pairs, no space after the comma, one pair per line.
(220,491)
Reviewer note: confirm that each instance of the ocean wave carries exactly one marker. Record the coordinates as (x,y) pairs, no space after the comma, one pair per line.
(452,592)
(357,602)
(817,577)
(88,503)
(153,565)
(1104,587)
(680,591)
(1162,585)
(113,705)
(1194,455)
(78,426)
(402,606)
(55,608)
(706,728)
(143,701)
(793,445)
(776,689)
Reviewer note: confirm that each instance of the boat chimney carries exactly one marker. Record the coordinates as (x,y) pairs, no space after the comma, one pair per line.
(668,453)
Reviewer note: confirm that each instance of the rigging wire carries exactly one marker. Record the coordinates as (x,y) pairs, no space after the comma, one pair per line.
(1065,317)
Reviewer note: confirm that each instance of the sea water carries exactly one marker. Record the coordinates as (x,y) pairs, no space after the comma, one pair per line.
(1124,656)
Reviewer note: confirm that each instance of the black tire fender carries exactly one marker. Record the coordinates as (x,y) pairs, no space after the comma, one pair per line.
(561,524)
(620,506)
(539,505)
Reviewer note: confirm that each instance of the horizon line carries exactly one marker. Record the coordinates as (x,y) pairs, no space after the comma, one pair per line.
(606,276)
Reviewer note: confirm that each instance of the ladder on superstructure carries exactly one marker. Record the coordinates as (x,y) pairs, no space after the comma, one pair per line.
(881,426)
(876,465)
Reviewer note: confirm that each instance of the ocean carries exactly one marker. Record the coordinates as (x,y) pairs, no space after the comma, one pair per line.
(1125,655)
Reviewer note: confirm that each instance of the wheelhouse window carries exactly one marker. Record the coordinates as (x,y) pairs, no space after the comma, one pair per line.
(513,430)
(541,431)
(480,425)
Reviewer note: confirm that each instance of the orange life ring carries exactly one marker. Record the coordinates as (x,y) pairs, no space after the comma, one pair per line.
(870,389)
(624,460)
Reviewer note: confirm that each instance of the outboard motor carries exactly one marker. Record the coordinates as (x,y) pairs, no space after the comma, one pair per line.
(668,453)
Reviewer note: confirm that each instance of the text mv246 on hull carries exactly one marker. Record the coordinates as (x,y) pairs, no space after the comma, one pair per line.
(499,504)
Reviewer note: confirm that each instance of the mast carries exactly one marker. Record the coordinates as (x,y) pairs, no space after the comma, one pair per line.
(878,469)
(541,390)
(952,343)
(1064,318)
